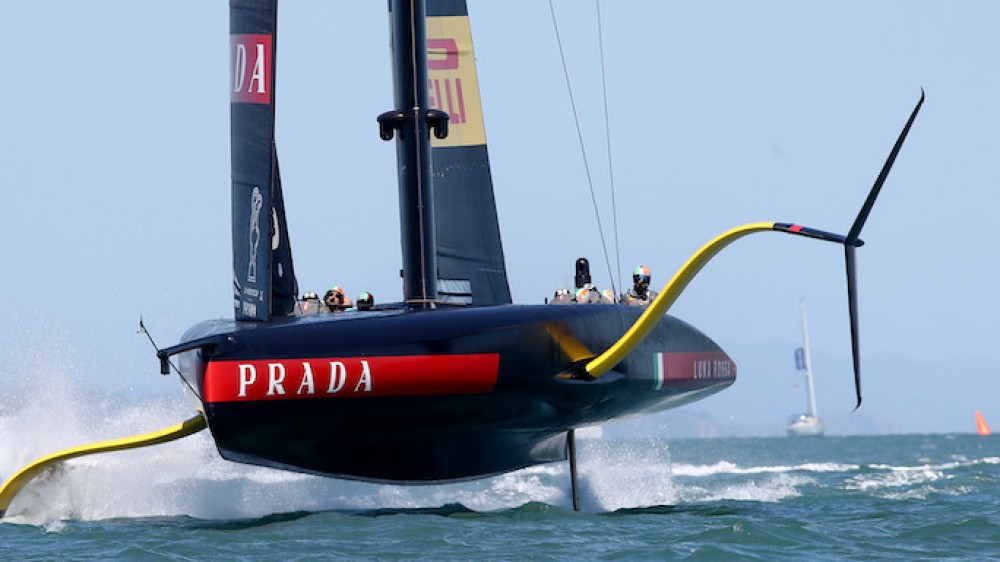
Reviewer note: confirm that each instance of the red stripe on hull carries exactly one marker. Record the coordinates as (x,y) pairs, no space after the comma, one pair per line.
(697,365)
(350,377)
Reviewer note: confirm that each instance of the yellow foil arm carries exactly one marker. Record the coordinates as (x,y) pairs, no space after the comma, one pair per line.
(15,483)
(614,355)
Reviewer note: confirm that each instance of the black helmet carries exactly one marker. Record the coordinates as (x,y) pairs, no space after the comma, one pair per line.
(365,301)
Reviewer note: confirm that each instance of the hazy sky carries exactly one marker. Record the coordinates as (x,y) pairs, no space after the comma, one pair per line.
(114,146)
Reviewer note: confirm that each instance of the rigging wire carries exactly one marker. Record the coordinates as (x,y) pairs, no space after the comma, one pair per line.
(583,150)
(607,142)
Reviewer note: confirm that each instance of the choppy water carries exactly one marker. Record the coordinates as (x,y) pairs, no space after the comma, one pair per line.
(873,497)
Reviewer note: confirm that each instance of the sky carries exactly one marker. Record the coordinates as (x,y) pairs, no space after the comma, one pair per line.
(114,147)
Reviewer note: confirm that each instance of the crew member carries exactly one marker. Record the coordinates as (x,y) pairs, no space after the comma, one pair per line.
(310,303)
(366,301)
(335,299)
(562,296)
(586,292)
(640,293)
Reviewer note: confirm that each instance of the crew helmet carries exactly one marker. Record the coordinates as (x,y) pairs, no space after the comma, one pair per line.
(640,273)
(365,301)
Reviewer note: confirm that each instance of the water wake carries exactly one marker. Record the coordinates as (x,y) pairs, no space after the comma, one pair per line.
(50,411)
(188,478)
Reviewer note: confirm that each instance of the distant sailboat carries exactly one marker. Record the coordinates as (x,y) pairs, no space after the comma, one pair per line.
(808,424)
(981,426)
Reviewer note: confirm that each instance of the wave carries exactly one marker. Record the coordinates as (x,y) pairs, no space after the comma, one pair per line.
(187,478)
(961,462)
(918,481)
(726,467)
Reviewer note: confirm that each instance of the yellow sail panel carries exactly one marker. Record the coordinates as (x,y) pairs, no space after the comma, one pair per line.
(452,81)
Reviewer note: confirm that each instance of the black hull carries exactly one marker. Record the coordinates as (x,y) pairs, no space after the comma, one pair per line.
(431,396)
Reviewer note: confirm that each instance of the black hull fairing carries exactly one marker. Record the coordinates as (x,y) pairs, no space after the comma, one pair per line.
(429,396)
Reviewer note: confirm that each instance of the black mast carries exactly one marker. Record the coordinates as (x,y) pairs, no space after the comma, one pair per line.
(412,120)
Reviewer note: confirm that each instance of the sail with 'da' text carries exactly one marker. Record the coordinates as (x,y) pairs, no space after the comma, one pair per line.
(263,276)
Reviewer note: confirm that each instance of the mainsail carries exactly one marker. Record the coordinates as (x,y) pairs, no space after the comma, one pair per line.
(263,277)
(470,261)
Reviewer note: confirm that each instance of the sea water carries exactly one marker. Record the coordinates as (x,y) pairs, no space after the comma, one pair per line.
(893,497)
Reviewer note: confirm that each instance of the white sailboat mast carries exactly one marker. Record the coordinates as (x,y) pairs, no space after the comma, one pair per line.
(809,370)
